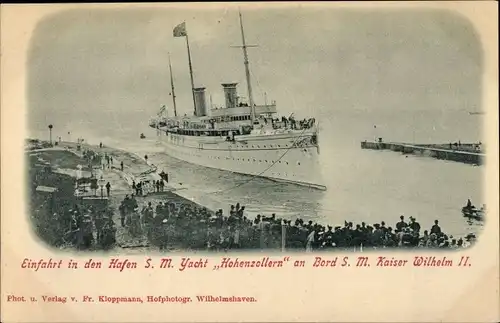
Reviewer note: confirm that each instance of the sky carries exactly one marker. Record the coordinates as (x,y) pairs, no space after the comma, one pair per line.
(106,68)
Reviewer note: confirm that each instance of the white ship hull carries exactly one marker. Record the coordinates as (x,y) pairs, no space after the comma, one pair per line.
(283,157)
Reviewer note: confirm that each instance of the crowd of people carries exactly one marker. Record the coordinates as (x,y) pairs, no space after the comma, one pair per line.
(290,123)
(94,158)
(190,226)
(148,186)
(86,227)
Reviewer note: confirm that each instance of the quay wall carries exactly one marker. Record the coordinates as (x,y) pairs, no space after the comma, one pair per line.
(462,155)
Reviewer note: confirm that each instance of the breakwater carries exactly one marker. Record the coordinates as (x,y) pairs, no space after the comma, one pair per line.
(463,153)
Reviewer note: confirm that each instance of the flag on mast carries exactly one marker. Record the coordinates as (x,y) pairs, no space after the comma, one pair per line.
(180,30)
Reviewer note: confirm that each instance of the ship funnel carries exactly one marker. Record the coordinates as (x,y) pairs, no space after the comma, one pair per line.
(230,94)
(200,102)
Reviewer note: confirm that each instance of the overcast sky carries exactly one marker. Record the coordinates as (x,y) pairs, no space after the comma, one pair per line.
(332,61)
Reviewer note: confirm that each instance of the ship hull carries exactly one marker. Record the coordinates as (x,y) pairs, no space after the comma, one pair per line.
(284,158)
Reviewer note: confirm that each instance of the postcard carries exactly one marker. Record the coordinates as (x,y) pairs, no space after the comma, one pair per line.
(253,162)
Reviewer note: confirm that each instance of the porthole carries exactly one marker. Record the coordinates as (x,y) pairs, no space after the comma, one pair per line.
(298,163)
(286,163)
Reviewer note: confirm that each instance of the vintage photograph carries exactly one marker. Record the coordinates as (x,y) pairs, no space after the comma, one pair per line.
(244,129)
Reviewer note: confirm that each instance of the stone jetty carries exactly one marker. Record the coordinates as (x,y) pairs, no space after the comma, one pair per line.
(458,152)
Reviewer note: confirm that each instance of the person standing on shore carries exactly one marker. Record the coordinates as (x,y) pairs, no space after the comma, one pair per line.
(135,224)
(133,202)
(435,228)
(122,208)
(147,220)
(146,158)
(108,188)
(401,224)
(108,234)
(87,235)
(121,165)
(98,223)
(162,185)
(414,225)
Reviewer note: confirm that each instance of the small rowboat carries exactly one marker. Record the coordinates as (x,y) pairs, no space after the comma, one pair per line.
(473,213)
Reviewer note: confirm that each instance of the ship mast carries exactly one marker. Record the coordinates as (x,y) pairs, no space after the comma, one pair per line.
(181,31)
(191,73)
(247,71)
(172,84)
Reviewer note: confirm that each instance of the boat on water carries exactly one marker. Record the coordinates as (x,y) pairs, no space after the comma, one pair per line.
(471,212)
(241,137)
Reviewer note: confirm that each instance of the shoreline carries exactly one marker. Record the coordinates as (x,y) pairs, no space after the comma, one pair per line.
(136,167)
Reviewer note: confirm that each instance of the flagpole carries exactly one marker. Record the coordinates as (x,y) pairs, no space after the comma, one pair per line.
(190,71)
(172,83)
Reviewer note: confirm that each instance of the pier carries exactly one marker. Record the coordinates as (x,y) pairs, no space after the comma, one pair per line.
(463,153)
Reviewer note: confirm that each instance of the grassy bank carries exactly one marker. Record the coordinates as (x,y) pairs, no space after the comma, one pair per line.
(51,193)
(55,168)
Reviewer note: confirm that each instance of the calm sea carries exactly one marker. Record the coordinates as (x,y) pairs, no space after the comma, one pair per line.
(363,185)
